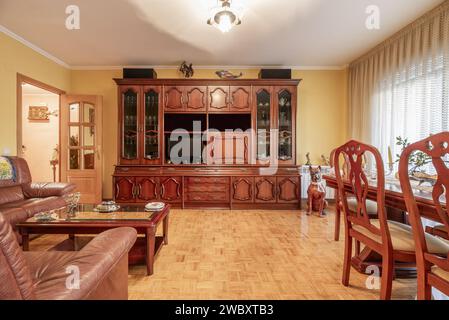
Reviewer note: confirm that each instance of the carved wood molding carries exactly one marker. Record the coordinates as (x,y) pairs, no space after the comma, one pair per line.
(282,183)
(248,95)
(273,190)
(167,93)
(153,182)
(225,94)
(203,98)
(178,189)
(249,185)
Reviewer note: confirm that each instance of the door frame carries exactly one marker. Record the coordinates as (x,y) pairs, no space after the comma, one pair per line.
(19,136)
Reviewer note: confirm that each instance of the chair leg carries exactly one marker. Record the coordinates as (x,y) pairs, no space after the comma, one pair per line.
(387,277)
(424,289)
(347,261)
(337,219)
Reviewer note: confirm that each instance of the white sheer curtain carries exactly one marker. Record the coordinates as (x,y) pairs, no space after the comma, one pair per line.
(411,104)
(401,88)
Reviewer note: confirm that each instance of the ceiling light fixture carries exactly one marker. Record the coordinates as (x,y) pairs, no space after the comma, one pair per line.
(223,17)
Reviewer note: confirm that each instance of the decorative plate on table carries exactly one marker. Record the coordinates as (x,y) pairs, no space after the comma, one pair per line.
(105,208)
(46,216)
(154,206)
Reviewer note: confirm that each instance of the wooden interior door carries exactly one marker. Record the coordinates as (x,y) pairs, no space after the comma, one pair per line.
(81,145)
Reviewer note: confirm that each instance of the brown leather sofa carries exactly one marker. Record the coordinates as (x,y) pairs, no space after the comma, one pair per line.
(21,199)
(102,265)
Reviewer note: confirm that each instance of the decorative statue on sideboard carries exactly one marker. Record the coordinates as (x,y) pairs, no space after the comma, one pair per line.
(186,70)
(316,201)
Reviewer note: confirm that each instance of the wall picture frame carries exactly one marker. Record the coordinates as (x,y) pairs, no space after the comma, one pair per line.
(38,113)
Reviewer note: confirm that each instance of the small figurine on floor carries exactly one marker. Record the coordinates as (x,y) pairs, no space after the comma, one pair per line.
(316,193)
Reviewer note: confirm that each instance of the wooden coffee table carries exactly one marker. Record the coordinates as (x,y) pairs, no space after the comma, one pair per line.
(88,222)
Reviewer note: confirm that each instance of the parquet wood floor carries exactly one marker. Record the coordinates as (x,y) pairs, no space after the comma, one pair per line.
(248,254)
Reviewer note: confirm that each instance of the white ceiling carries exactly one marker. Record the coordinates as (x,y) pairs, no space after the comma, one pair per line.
(306,33)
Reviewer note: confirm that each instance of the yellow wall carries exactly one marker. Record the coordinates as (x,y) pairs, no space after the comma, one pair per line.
(17,58)
(322,107)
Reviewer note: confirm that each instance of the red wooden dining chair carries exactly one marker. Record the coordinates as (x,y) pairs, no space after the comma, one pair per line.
(433,268)
(392,240)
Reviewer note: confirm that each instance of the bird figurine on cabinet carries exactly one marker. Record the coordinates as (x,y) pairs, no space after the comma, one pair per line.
(186,70)
(316,193)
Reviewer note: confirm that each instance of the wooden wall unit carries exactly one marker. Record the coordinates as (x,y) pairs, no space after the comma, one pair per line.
(149,112)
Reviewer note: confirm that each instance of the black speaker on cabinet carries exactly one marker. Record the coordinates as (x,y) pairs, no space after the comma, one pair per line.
(139,73)
(275,74)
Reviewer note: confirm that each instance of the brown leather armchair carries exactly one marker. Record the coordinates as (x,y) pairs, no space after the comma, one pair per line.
(102,266)
(21,199)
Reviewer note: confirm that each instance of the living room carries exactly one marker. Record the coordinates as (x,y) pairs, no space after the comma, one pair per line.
(188,151)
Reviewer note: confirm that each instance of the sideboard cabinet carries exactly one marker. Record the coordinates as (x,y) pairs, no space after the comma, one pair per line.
(236,130)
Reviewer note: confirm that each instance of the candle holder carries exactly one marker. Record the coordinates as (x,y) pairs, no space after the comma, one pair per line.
(390,167)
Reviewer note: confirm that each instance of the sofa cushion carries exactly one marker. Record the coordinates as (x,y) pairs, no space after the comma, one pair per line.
(36,205)
(371,206)
(11,194)
(47,189)
(402,238)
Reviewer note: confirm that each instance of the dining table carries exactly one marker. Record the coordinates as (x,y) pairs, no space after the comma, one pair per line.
(396,211)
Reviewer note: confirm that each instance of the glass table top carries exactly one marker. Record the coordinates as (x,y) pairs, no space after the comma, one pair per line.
(86,213)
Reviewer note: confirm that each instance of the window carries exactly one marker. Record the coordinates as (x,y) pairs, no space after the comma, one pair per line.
(412,104)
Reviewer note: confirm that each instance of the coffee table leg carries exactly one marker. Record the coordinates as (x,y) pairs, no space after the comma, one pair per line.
(165,226)
(150,242)
(25,241)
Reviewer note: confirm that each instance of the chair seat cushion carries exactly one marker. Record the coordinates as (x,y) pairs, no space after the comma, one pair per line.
(402,238)
(440,227)
(371,206)
(440,273)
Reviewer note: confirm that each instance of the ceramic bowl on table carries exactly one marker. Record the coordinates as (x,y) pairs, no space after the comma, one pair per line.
(107,206)
(154,206)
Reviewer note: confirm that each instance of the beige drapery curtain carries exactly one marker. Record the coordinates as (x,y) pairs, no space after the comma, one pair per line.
(401,87)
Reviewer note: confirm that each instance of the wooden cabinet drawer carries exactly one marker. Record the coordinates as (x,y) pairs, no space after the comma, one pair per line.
(207,188)
(207,197)
(208,180)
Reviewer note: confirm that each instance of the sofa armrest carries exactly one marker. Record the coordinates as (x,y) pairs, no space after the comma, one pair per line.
(115,243)
(95,263)
(47,189)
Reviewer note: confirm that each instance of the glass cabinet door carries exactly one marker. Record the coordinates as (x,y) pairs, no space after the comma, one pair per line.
(285,125)
(151,125)
(263,98)
(130,125)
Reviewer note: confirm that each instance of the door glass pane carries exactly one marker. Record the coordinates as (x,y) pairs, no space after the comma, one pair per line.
(151,125)
(285,125)
(74,136)
(130,125)
(74,114)
(263,124)
(89,136)
(89,159)
(89,113)
(74,159)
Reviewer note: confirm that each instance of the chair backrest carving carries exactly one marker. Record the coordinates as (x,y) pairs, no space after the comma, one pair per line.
(356,184)
(437,148)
